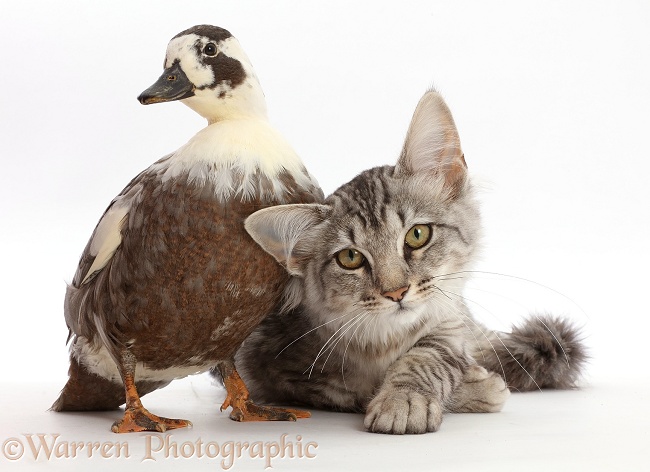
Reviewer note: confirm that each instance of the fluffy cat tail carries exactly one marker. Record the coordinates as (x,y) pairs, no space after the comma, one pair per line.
(543,352)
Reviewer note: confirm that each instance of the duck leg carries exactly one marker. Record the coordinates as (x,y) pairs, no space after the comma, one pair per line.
(136,417)
(243,409)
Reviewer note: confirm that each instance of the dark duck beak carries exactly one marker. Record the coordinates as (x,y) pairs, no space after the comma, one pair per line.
(172,85)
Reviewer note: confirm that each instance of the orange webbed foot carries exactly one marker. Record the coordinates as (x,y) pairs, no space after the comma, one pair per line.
(139,419)
(243,409)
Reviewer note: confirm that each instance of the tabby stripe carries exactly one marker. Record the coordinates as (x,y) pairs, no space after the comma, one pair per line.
(453,228)
(351,236)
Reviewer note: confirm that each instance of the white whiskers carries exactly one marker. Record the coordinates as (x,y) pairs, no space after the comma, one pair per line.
(462,299)
(329,340)
(311,330)
(439,298)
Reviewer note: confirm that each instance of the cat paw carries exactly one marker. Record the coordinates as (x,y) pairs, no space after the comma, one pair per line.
(480,392)
(395,411)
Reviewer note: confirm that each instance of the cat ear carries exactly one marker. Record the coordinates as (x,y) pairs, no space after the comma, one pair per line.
(432,144)
(288,232)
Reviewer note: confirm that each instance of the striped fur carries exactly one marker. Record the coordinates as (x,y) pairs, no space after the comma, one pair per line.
(393,337)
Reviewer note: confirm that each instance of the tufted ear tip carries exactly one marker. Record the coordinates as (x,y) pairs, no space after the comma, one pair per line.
(432,144)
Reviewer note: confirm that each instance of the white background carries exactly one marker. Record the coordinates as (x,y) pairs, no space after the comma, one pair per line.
(552,104)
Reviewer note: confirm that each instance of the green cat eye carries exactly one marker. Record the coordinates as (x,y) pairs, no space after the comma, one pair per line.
(418,236)
(350,258)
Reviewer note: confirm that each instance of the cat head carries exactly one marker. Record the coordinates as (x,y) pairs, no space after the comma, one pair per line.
(385,243)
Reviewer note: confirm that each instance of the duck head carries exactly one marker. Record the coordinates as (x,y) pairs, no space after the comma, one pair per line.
(207,70)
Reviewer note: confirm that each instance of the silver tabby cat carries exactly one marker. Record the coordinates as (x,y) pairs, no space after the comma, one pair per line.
(374,319)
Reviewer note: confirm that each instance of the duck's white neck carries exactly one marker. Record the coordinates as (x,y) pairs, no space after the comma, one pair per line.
(250,142)
(232,155)
(244,102)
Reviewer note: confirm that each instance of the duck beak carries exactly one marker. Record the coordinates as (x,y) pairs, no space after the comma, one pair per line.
(172,85)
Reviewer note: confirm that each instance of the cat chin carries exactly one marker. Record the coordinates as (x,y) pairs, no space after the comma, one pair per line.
(407,315)
(399,327)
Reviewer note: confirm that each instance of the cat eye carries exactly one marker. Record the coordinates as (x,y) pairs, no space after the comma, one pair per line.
(210,49)
(350,259)
(418,236)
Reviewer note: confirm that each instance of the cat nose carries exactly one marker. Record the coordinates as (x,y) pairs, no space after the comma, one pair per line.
(396,295)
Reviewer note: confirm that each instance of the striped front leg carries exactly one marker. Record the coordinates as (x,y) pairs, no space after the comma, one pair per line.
(418,385)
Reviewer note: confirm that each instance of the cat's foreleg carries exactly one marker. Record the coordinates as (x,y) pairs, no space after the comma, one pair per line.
(417,387)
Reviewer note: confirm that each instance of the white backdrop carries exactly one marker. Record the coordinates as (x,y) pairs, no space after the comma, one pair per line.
(551,100)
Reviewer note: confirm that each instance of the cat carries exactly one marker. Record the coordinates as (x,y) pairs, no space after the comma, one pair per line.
(374,320)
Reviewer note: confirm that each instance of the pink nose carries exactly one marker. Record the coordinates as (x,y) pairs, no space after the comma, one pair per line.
(396,295)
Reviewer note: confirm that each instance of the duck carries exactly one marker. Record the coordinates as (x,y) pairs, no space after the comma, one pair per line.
(170,283)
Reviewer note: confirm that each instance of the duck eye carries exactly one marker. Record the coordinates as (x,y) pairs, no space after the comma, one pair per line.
(210,49)
(418,236)
(350,259)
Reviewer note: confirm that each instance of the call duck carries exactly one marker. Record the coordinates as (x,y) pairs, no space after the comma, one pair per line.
(170,283)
